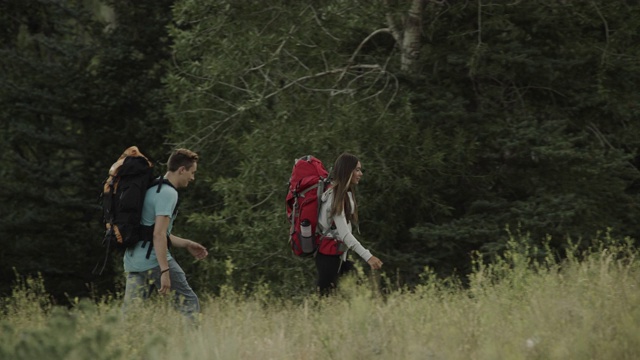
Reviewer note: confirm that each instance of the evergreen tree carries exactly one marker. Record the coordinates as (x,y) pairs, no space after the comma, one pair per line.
(78,88)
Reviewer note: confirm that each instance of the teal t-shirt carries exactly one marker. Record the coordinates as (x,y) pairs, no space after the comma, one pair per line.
(155,204)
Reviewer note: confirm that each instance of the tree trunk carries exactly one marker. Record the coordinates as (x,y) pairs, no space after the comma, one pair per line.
(411,40)
(408,38)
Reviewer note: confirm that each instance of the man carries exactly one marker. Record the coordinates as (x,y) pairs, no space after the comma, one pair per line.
(149,269)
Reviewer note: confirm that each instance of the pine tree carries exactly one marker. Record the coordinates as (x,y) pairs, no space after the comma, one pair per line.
(78,88)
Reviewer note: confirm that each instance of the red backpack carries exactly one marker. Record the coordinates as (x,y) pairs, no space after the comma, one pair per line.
(309,179)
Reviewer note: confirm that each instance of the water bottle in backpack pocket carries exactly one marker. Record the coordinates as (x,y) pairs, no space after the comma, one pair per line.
(304,234)
(307,237)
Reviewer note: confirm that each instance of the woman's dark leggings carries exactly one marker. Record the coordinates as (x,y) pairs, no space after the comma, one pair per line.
(329,269)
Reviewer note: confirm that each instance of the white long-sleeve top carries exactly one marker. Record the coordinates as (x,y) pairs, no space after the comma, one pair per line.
(343,228)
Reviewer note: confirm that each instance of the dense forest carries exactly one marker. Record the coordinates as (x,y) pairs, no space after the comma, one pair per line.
(474,120)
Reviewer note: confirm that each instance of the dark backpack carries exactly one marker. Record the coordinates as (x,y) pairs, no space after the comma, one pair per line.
(122,199)
(309,179)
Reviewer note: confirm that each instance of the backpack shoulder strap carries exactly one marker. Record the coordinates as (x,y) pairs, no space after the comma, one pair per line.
(158,182)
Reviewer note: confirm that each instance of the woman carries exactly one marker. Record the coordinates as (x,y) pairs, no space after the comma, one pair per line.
(338,212)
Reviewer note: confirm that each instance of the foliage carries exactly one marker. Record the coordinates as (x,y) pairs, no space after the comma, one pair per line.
(548,145)
(269,99)
(511,120)
(515,116)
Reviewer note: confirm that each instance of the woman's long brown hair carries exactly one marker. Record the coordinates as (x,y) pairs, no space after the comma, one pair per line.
(342,172)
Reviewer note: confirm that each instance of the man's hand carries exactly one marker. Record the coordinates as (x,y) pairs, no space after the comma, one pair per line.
(375,263)
(198,251)
(165,283)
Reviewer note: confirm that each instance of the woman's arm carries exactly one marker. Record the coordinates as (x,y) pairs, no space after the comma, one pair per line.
(344,232)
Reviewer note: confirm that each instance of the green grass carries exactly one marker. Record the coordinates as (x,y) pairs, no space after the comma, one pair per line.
(587,307)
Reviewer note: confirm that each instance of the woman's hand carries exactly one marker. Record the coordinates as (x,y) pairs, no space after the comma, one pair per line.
(375,263)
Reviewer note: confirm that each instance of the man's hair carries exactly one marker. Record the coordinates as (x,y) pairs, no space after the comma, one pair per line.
(181,157)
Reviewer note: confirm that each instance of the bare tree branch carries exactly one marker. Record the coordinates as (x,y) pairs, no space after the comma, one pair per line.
(317,19)
(355,53)
(393,26)
(321,74)
(603,140)
(606,33)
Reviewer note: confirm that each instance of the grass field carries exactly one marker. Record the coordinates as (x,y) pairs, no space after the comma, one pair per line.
(587,307)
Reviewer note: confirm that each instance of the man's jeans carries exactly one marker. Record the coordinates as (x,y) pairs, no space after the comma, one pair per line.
(141,285)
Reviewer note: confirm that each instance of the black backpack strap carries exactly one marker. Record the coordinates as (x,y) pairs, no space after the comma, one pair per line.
(106,257)
(146,234)
(161,180)
(158,182)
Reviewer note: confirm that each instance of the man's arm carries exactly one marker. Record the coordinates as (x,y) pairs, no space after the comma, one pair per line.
(160,247)
(178,241)
(198,251)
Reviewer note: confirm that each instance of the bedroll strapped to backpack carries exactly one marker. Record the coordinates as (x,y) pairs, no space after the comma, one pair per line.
(309,180)
(122,199)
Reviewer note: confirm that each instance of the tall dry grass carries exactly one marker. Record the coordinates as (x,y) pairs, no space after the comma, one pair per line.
(515,307)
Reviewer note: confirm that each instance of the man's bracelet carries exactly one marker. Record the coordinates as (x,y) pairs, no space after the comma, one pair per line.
(164,271)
